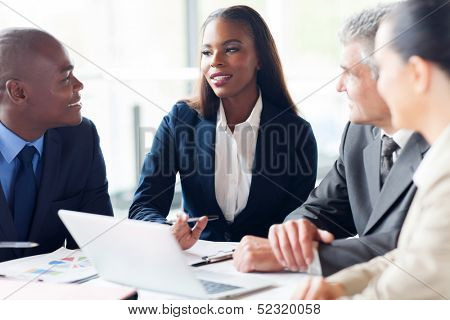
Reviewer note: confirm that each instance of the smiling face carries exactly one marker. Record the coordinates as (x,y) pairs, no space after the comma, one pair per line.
(53,92)
(229,59)
(357,81)
(395,83)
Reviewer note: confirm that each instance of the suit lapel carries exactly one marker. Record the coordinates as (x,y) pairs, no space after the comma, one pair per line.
(262,153)
(206,143)
(399,179)
(372,166)
(257,179)
(7,229)
(50,171)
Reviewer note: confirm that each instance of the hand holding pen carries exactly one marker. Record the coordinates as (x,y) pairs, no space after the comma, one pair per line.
(186,236)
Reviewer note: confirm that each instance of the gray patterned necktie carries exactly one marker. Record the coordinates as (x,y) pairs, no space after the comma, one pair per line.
(388,147)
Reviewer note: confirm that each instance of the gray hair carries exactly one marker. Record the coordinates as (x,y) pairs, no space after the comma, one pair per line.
(362,27)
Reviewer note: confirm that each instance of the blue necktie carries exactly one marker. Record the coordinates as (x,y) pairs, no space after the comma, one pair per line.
(25,191)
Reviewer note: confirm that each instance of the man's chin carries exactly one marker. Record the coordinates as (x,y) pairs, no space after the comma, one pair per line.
(69,123)
(76,123)
(357,119)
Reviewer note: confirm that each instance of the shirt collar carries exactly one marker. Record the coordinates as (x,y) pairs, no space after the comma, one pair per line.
(400,137)
(253,120)
(11,144)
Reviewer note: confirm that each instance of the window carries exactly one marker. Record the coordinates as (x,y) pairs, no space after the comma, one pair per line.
(143,53)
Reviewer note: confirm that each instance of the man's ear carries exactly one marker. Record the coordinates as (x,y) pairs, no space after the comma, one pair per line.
(15,90)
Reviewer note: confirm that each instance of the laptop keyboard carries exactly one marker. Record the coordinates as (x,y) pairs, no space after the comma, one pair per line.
(216,287)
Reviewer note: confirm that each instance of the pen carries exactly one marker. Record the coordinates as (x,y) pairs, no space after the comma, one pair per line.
(208,260)
(17,244)
(210,218)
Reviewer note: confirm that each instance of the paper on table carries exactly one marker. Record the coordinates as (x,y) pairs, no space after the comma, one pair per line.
(60,266)
(208,248)
(21,290)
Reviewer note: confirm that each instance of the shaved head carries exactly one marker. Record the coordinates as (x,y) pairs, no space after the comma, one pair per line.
(38,90)
(19,49)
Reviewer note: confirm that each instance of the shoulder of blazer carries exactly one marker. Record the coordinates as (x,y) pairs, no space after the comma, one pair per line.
(367,131)
(360,134)
(81,137)
(183,114)
(85,128)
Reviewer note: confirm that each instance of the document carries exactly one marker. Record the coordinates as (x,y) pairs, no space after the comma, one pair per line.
(60,266)
(22,290)
(204,250)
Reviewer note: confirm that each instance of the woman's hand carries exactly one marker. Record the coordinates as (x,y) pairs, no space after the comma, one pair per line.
(318,288)
(186,236)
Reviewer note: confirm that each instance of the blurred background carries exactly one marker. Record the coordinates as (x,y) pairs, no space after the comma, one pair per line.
(137,58)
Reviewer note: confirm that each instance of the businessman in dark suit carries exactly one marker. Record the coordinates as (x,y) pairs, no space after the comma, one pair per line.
(50,157)
(368,191)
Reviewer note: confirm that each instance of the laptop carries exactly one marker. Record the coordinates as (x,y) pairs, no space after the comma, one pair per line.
(146,255)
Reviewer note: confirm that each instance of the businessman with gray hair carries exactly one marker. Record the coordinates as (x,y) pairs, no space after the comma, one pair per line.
(357,211)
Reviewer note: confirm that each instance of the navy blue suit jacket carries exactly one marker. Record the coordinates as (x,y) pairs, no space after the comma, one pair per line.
(284,172)
(73,178)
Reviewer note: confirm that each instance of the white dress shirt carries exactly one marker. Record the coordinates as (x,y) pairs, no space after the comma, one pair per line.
(235,152)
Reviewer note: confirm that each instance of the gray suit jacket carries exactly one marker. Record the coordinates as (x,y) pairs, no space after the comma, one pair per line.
(349,202)
(418,268)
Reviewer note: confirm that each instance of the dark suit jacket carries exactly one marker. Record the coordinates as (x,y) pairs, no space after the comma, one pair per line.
(284,171)
(349,201)
(73,177)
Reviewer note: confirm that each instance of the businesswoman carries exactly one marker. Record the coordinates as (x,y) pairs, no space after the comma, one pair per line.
(240,148)
(415,82)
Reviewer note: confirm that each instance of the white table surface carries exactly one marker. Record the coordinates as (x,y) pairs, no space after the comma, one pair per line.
(284,284)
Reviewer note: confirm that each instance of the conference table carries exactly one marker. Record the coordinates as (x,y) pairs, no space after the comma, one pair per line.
(284,284)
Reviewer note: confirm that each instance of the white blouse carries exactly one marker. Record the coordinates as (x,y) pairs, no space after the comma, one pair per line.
(235,152)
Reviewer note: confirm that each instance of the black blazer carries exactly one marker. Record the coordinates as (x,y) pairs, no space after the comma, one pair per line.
(284,171)
(349,201)
(73,178)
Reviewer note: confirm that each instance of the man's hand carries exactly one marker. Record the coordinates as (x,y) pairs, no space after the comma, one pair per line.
(183,233)
(255,254)
(292,242)
(317,288)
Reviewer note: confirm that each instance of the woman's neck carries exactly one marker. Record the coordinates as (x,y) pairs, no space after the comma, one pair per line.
(435,127)
(433,123)
(238,109)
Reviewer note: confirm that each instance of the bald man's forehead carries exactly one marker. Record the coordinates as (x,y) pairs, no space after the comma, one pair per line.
(50,61)
(29,51)
(46,46)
